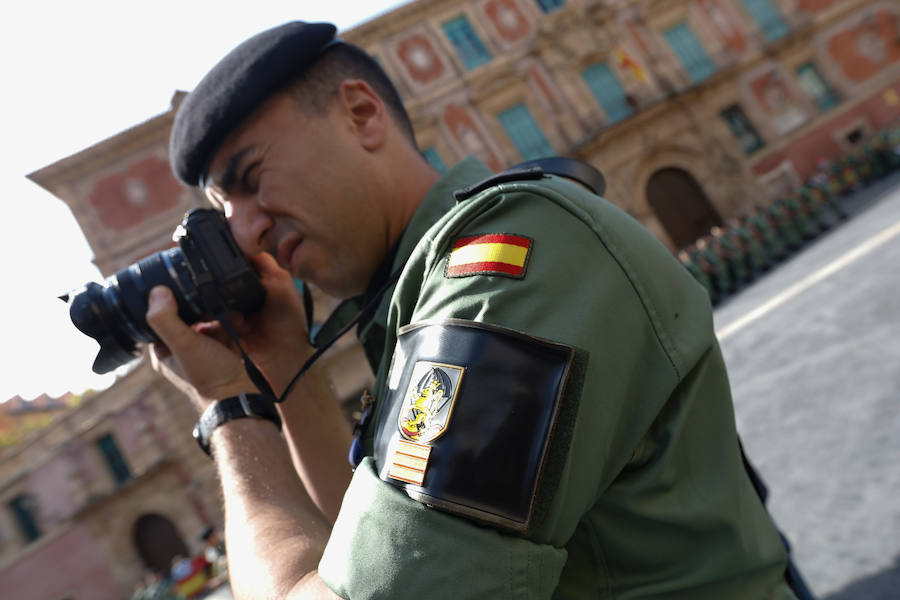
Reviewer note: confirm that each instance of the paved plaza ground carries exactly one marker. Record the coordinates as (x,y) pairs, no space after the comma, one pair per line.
(813,352)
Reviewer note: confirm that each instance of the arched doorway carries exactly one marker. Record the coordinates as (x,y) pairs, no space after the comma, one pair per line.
(157,542)
(681,205)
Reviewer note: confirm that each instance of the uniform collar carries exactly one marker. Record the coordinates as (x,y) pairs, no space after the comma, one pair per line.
(436,203)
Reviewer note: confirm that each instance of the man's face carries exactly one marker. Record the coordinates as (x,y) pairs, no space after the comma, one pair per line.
(294,184)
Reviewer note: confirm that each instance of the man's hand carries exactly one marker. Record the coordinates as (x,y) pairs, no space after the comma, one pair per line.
(205,367)
(208,366)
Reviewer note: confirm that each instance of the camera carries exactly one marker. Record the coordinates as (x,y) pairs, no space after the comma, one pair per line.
(207,273)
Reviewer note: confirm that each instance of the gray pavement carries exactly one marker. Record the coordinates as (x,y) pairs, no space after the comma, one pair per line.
(813,352)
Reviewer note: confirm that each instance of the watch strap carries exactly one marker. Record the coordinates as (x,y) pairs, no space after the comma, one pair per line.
(258,406)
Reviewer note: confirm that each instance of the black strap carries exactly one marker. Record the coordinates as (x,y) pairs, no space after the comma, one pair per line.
(221,315)
(370,306)
(570,168)
(236,407)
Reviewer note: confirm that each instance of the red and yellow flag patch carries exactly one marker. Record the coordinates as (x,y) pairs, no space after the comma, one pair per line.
(489,254)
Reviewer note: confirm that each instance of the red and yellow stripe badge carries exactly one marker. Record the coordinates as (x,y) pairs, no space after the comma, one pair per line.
(490,254)
(410,461)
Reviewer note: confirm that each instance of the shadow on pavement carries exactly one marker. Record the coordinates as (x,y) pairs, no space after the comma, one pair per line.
(880,586)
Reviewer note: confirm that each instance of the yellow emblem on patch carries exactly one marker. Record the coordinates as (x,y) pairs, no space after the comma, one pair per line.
(428,405)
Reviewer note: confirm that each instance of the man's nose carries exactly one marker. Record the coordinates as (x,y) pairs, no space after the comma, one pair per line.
(249,226)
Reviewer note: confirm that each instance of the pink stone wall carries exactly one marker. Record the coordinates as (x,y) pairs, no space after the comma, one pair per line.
(69,566)
(819,143)
(50,485)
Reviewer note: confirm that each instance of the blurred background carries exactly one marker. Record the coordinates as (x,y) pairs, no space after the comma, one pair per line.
(759,140)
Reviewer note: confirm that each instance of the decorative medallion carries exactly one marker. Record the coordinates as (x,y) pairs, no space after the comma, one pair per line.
(426,410)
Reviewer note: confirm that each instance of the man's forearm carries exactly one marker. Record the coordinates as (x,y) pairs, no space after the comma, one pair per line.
(318,437)
(274,533)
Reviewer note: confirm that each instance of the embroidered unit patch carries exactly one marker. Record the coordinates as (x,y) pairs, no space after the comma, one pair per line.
(490,254)
(429,401)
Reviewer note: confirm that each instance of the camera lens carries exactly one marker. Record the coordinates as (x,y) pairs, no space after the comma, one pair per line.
(208,276)
(113,314)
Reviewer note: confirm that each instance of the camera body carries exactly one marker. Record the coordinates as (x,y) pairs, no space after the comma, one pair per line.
(207,273)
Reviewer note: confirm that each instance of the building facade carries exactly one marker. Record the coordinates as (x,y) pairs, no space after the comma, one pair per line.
(694,110)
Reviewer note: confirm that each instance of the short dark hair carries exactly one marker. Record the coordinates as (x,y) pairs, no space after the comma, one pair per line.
(318,85)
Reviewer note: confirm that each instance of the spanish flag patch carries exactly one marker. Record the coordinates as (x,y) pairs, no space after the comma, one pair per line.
(489,254)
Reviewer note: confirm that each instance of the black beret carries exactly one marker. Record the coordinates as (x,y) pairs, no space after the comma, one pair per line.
(238,85)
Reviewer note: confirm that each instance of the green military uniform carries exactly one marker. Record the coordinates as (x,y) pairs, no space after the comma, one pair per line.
(812,203)
(725,245)
(772,244)
(757,259)
(788,228)
(699,274)
(718,270)
(647,496)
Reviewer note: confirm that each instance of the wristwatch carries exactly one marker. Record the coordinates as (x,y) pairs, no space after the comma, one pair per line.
(257,406)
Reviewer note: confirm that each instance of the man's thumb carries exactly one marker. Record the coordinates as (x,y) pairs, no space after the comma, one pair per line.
(162,316)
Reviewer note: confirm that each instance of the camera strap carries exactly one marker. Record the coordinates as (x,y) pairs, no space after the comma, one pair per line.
(369,307)
(256,376)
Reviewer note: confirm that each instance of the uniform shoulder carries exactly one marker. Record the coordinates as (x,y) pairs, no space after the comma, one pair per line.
(569,168)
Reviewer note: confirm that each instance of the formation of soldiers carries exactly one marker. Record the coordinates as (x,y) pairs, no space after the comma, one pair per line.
(732,256)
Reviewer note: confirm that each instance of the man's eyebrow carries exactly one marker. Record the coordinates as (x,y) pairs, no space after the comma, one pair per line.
(230,173)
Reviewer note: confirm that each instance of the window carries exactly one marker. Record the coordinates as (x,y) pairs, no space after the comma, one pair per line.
(432,156)
(689,51)
(25,510)
(742,129)
(816,86)
(525,133)
(113,459)
(607,90)
(549,6)
(467,43)
(768,18)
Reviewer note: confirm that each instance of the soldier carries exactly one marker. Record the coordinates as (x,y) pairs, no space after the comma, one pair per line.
(784,223)
(804,225)
(715,270)
(812,202)
(757,260)
(886,145)
(732,254)
(823,182)
(687,259)
(761,226)
(544,426)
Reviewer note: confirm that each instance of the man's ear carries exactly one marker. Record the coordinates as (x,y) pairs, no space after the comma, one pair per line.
(365,112)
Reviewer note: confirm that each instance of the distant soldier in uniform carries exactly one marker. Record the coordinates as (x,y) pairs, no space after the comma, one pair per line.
(725,244)
(812,202)
(757,260)
(687,259)
(762,227)
(802,223)
(785,224)
(720,275)
(822,181)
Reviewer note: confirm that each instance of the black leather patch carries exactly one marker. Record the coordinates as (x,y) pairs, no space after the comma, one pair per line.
(468,418)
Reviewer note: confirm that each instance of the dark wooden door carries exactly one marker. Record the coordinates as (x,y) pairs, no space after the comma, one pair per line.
(681,205)
(158,542)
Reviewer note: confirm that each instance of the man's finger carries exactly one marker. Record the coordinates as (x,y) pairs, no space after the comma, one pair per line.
(162,316)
